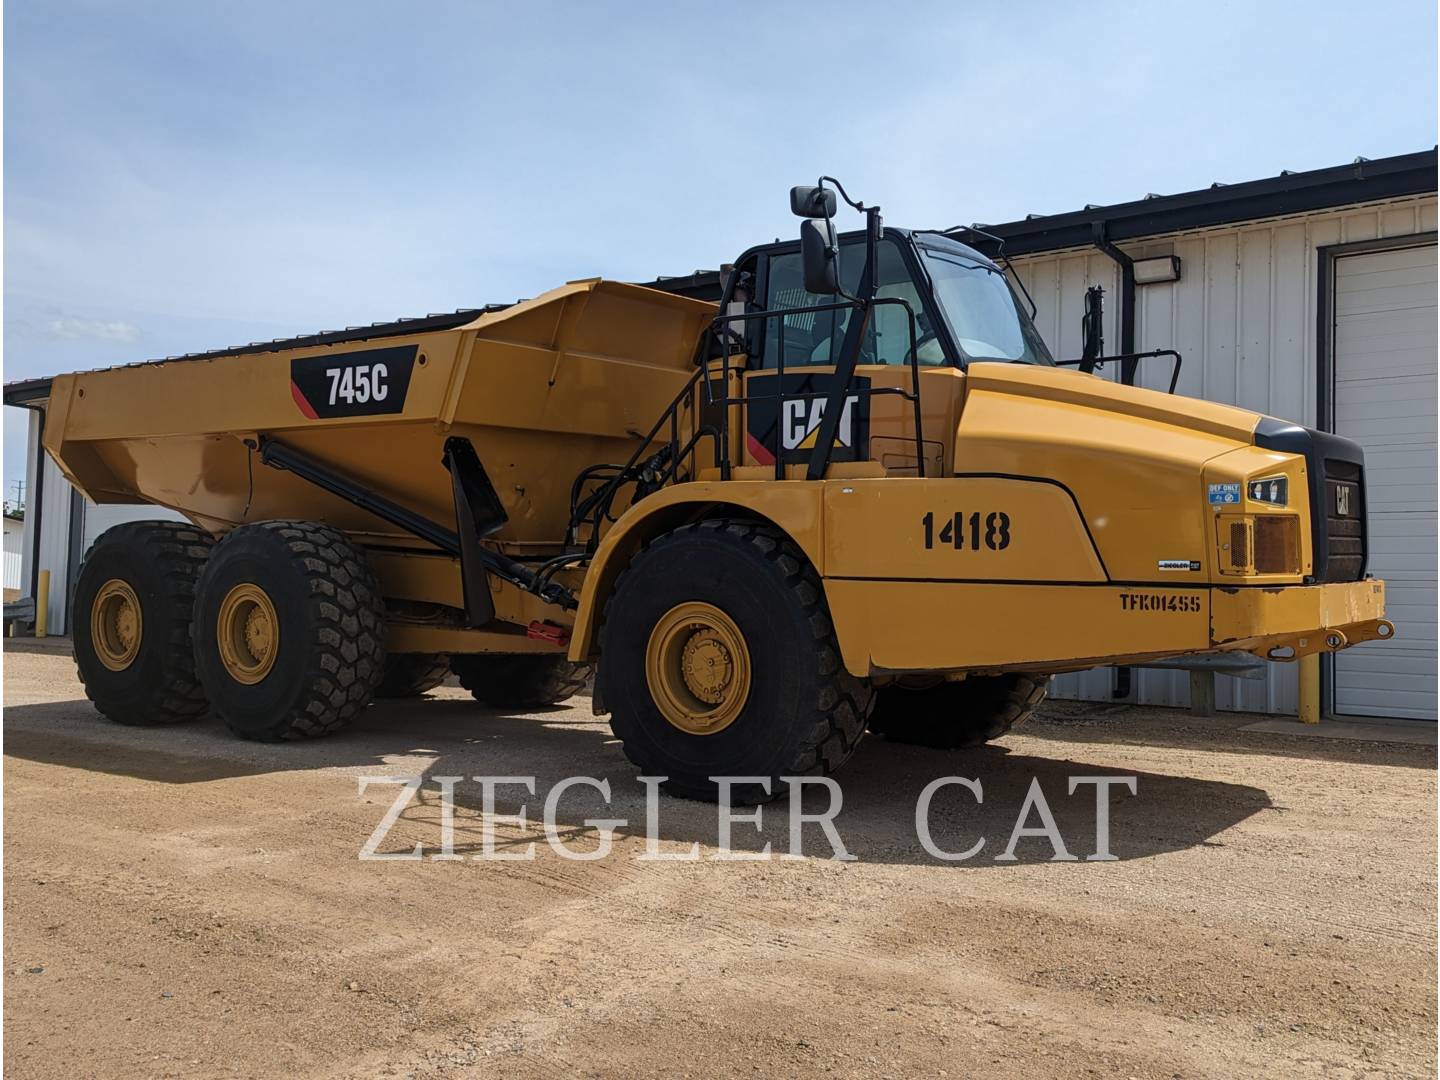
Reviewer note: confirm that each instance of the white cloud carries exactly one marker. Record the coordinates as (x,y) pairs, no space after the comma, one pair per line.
(98,329)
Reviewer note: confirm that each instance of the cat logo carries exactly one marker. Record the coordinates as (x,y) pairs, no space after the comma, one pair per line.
(793,425)
(1342,500)
(801,423)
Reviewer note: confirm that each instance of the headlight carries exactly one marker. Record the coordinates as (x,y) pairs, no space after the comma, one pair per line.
(1273,490)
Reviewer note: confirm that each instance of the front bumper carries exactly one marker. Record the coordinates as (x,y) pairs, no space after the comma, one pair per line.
(1288,622)
(890,627)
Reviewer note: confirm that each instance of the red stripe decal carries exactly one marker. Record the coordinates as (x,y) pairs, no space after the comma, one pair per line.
(301,402)
(758,451)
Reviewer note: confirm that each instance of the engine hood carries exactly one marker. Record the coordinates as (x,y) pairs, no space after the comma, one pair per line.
(1077,388)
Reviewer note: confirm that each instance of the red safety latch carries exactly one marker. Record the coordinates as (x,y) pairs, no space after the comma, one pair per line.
(548,631)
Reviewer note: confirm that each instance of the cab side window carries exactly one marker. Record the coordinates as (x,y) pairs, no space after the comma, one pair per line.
(814,338)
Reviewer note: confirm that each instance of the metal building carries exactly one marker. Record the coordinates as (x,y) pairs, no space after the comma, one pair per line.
(1308,296)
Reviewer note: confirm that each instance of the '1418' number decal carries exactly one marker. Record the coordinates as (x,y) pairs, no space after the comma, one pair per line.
(977,531)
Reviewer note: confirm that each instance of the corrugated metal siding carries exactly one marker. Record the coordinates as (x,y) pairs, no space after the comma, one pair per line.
(1244,315)
(55,540)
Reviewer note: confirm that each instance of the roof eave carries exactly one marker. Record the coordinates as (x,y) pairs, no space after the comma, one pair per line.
(1278,196)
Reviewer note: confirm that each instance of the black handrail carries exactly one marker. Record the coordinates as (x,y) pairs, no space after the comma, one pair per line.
(1174,372)
(912,395)
(665,465)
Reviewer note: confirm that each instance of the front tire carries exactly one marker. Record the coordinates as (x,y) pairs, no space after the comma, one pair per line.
(133,604)
(289,630)
(718,658)
(951,715)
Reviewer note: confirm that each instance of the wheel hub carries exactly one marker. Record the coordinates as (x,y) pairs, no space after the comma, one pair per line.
(706,666)
(248,633)
(697,666)
(116,624)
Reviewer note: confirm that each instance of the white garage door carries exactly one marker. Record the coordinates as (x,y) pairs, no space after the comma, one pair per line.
(1385,399)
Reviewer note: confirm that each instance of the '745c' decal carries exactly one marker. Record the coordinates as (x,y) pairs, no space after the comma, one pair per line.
(364,383)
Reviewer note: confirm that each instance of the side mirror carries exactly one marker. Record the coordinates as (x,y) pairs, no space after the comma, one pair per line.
(812,202)
(820,256)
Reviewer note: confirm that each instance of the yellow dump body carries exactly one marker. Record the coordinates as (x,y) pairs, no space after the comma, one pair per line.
(542,389)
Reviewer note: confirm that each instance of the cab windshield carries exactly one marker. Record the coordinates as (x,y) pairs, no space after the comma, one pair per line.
(984,316)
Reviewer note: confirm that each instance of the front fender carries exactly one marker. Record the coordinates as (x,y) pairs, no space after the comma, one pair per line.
(795,507)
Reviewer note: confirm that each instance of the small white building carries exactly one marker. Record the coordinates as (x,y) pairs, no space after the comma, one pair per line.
(14,558)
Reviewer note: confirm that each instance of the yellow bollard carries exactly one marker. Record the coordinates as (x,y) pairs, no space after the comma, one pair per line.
(1310,689)
(42,603)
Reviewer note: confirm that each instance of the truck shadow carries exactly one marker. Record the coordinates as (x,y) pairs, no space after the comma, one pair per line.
(1177,729)
(437,737)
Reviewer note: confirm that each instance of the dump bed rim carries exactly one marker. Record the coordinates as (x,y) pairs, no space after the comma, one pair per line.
(33,393)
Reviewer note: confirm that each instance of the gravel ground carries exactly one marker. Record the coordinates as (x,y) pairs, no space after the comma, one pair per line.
(180,903)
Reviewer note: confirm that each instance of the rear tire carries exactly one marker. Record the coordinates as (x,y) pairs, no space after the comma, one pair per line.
(519,680)
(411,675)
(289,630)
(132,635)
(957,714)
(718,658)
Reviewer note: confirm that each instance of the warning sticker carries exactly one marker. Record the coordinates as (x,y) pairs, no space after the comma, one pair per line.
(1224,494)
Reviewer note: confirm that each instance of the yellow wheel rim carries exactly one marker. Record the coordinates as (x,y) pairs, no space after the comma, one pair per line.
(698,668)
(116,624)
(248,632)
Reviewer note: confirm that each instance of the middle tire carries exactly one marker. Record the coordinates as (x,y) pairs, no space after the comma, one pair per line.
(289,630)
(718,658)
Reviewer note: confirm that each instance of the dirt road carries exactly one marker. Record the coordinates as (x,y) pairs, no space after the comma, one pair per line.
(179,903)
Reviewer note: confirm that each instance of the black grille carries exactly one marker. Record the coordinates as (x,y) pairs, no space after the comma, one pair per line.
(1336,467)
(1344,520)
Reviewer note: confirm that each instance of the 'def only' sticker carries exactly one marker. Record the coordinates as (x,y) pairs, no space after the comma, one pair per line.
(369,382)
(1224,494)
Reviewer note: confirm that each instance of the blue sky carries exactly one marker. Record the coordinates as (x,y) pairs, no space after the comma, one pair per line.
(181,176)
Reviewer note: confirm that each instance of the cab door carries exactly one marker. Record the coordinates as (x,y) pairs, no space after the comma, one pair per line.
(798,353)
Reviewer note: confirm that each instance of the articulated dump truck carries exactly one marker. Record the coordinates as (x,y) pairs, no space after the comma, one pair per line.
(859,492)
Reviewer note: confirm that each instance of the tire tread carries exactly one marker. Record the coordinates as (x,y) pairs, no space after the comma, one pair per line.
(842,702)
(180,550)
(347,657)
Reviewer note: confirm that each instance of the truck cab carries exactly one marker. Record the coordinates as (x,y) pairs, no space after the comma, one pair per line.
(965,311)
